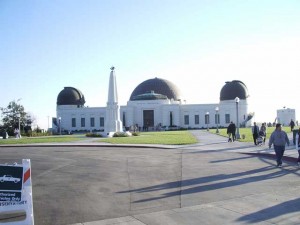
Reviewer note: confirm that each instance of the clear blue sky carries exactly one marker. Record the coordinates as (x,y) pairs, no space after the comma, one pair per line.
(197,44)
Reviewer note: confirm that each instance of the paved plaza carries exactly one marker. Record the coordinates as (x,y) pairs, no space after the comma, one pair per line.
(212,182)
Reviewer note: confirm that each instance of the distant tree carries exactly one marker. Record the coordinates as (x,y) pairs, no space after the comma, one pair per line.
(37,129)
(11,115)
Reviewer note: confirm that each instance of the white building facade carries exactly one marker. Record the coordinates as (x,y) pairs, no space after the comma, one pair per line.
(155,104)
(285,115)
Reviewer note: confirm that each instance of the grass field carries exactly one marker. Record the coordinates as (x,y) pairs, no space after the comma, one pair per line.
(165,138)
(45,139)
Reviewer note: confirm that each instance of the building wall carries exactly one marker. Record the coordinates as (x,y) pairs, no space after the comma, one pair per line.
(284,116)
(133,112)
(66,113)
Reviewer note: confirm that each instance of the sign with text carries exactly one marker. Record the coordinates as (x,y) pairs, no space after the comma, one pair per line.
(11,182)
(16,194)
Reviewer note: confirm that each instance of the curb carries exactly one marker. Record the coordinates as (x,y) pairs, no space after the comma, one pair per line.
(84,145)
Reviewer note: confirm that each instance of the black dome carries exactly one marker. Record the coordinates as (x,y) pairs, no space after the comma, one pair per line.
(234,89)
(158,86)
(70,96)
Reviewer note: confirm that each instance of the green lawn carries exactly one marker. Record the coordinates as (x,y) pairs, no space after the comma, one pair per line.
(247,132)
(164,137)
(46,139)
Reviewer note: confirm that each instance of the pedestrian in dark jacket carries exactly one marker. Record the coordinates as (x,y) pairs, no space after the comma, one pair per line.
(292,125)
(255,131)
(231,131)
(279,138)
(298,161)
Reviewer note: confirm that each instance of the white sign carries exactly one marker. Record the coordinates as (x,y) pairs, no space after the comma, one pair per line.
(16,194)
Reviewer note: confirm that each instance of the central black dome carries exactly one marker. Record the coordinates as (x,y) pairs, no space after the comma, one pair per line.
(70,96)
(158,86)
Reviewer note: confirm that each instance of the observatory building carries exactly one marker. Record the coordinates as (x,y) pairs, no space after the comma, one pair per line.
(155,104)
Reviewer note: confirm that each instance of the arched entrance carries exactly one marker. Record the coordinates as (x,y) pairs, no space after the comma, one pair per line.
(148,119)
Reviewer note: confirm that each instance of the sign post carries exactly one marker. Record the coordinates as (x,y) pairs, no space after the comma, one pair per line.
(16,194)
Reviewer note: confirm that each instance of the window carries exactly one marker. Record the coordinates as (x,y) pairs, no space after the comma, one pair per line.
(196,119)
(217,118)
(92,121)
(124,119)
(206,118)
(73,122)
(171,119)
(82,122)
(186,120)
(227,118)
(101,121)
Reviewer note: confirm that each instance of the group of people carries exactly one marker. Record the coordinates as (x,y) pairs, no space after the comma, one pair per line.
(278,139)
(259,132)
(256,132)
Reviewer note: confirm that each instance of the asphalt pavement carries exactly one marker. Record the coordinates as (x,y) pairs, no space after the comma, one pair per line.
(237,193)
(211,182)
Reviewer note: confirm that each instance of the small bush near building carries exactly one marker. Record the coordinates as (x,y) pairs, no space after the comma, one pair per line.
(136,134)
(120,134)
(93,135)
(35,134)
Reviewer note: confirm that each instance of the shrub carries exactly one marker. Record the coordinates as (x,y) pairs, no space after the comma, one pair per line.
(120,134)
(35,134)
(136,134)
(93,135)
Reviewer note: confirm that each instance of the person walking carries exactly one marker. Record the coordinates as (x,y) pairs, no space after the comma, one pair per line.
(278,139)
(298,161)
(263,132)
(292,125)
(255,131)
(231,131)
(297,147)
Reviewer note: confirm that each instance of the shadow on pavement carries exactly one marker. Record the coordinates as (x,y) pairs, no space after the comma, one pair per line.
(224,181)
(233,159)
(218,150)
(272,212)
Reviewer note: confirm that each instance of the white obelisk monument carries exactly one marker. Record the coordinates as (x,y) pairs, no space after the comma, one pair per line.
(113,123)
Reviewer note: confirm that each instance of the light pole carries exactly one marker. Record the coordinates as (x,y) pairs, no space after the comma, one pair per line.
(207,119)
(59,123)
(217,119)
(237,100)
(19,117)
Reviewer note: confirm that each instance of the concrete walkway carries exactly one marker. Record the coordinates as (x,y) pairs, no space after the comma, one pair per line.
(206,138)
(224,183)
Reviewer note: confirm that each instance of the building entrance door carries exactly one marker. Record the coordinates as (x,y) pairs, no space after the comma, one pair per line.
(148,118)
